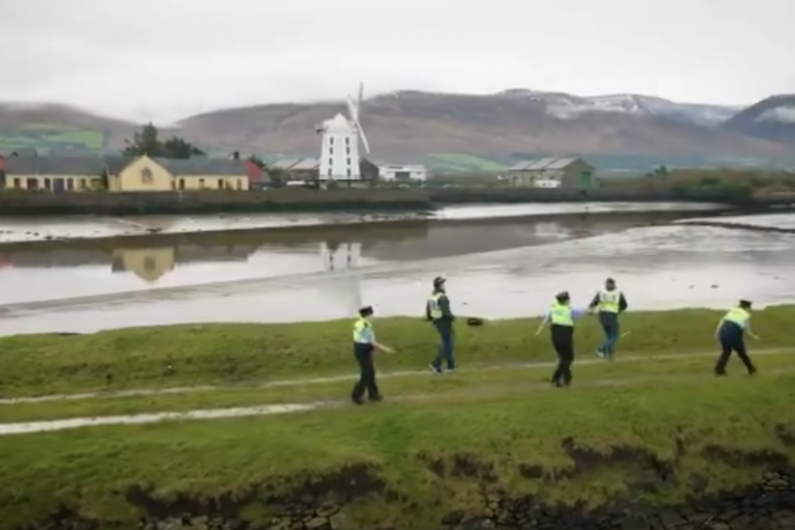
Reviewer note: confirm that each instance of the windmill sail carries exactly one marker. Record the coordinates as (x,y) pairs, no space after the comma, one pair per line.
(354,107)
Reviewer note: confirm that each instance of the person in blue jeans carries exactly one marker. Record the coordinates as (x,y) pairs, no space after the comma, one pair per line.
(437,311)
(609,303)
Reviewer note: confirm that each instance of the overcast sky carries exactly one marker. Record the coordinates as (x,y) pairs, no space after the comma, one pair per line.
(164,59)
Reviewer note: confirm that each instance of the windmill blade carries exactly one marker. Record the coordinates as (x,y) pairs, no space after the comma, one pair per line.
(363,137)
(361,94)
(353,111)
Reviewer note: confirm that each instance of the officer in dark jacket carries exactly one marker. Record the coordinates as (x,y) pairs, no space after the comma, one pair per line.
(561,317)
(364,345)
(437,311)
(731,332)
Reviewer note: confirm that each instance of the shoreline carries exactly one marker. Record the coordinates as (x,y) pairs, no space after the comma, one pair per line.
(409,220)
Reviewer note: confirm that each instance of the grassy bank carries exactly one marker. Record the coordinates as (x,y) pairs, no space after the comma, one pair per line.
(395,385)
(409,464)
(224,354)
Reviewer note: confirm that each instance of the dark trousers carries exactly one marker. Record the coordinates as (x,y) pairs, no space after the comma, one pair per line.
(563,342)
(732,340)
(609,322)
(366,382)
(446,345)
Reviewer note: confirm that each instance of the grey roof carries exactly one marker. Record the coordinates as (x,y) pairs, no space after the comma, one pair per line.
(56,165)
(306,164)
(207,167)
(549,162)
(284,163)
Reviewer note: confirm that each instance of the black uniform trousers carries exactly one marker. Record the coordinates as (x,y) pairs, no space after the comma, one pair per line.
(366,382)
(563,342)
(732,339)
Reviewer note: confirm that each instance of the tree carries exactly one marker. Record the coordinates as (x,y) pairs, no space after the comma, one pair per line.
(147,142)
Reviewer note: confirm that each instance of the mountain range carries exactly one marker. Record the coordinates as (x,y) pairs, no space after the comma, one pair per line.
(410,125)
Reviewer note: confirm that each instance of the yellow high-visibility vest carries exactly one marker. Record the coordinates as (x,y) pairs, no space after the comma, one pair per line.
(561,315)
(433,306)
(360,328)
(738,316)
(609,301)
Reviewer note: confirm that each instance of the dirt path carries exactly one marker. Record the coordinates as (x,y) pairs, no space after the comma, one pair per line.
(351,377)
(292,408)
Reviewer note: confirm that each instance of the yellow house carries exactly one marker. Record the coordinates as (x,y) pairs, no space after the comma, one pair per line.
(55,174)
(163,174)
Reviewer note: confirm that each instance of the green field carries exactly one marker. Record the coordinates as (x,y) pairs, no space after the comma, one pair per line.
(462,163)
(423,455)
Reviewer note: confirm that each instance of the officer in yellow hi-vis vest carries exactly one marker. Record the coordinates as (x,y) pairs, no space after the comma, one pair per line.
(364,345)
(609,303)
(731,332)
(437,311)
(561,318)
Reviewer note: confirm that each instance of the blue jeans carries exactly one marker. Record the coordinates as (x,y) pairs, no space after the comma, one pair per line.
(611,328)
(446,345)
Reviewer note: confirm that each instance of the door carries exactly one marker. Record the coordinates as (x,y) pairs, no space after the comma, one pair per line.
(586,179)
(58,185)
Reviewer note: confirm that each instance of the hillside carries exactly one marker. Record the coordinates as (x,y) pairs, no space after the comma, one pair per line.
(771,119)
(406,124)
(409,125)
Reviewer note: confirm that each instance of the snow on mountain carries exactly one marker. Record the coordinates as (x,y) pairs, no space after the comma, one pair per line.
(773,119)
(568,106)
(783,114)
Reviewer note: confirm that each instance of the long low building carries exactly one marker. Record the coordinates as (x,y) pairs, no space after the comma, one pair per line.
(126,174)
(553,172)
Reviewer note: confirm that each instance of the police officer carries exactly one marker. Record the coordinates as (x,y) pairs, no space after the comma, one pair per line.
(561,318)
(364,345)
(731,332)
(437,311)
(609,302)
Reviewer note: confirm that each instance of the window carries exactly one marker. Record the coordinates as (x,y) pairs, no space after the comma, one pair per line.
(348,162)
(331,161)
(349,172)
(331,140)
(329,172)
(182,184)
(331,150)
(18,183)
(47,184)
(70,184)
(83,184)
(347,150)
(221,184)
(347,141)
(146,175)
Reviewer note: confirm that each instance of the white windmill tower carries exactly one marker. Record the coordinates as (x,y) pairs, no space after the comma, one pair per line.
(339,147)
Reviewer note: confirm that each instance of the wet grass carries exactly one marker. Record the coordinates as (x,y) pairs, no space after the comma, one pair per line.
(420,459)
(477,379)
(224,354)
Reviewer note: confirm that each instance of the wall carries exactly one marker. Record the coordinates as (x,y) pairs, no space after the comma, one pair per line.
(131,179)
(389,173)
(210,201)
(340,156)
(211,182)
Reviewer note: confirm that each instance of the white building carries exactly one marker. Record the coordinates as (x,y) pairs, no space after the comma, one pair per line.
(406,172)
(339,150)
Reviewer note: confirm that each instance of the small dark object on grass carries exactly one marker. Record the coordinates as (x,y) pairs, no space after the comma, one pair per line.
(474,321)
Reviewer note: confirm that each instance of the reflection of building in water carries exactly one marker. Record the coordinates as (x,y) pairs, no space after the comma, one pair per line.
(149,264)
(339,257)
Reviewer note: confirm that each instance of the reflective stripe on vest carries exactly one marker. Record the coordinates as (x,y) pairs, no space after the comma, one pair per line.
(359,331)
(609,300)
(739,316)
(560,315)
(433,306)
